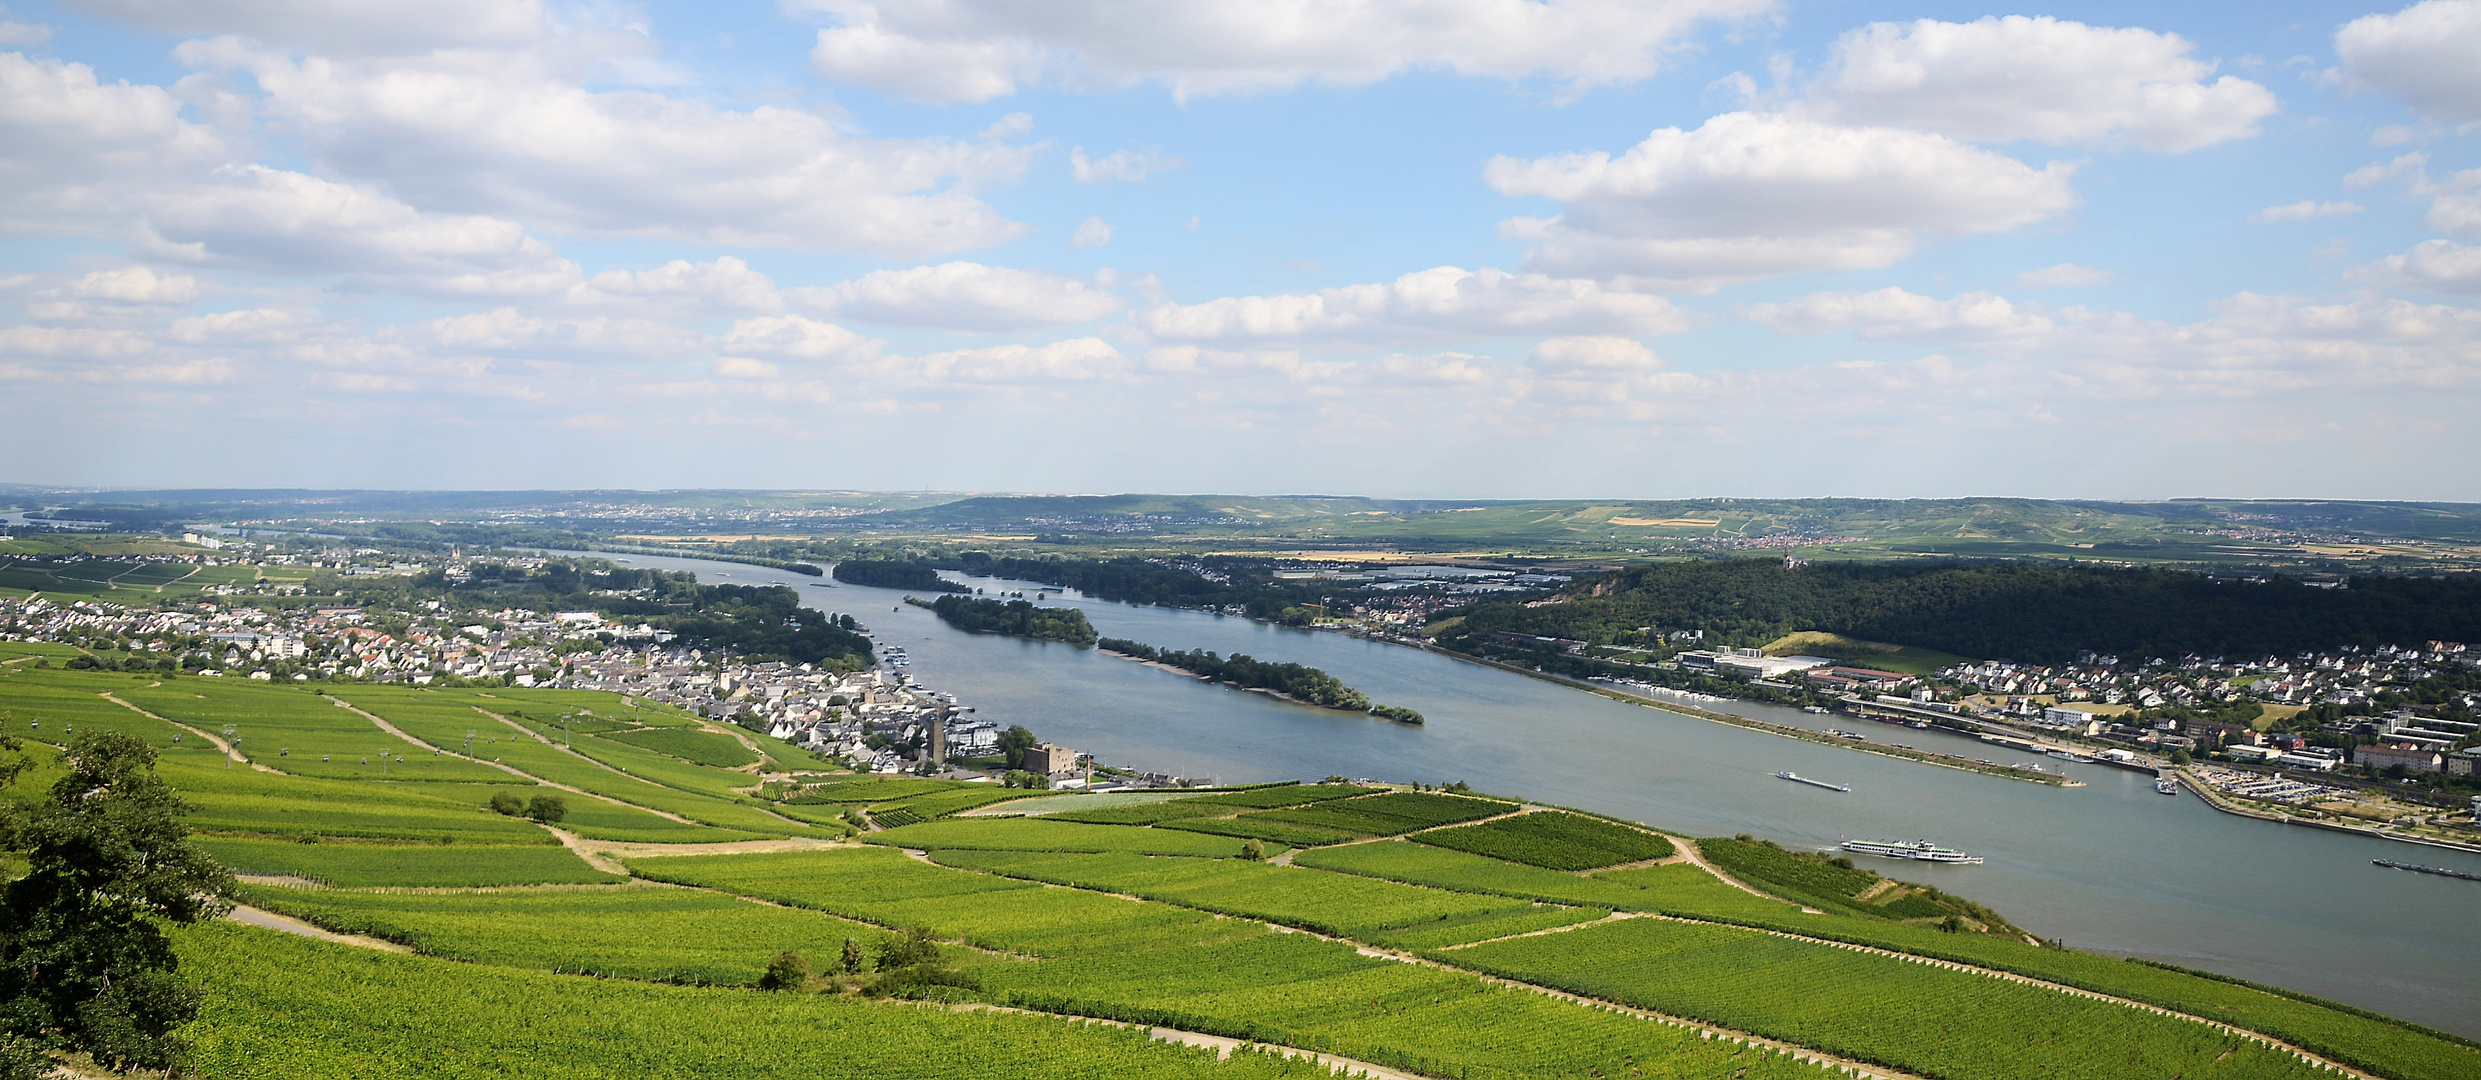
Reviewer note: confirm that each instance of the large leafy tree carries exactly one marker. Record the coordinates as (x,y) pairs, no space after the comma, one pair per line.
(84,961)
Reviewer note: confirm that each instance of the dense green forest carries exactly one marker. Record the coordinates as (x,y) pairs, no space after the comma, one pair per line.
(2032,613)
(1016,618)
(894,574)
(762,622)
(1305,684)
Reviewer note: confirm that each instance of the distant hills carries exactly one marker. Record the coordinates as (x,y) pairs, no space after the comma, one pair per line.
(2295,534)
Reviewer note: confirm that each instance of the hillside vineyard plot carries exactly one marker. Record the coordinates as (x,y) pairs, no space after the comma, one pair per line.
(1551,839)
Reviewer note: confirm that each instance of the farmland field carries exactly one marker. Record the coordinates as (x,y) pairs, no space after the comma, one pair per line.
(1249,826)
(1161,925)
(1552,839)
(1047,834)
(290,1009)
(300,732)
(1906,1015)
(1385,815)
(1314,900)
(364,865)
(699,747)
(635,931)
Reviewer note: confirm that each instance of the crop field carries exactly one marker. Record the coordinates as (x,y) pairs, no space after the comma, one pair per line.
(2381,1045)
(300,732)
(97,579)
(1267,798)
(1552,840)
(2374,1043)
(630,931)
(1229,976)
(1248,826)
(1047,834)
(1304,991)
(1145,813)
(939,804)
(1444,933)
(1906,1015)
(1386,815)
(356,866)
(877,789)
(50,706)
(1678,889)
(241,799)
(1799,871)
(11,650)
(1312,900)
(700,747)
(438,720)
(1149,813)
(286,1008)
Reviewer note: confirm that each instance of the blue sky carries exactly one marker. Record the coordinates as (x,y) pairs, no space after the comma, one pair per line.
(1513,248)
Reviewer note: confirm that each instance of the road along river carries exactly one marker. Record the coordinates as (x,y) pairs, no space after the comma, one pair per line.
(2110,866)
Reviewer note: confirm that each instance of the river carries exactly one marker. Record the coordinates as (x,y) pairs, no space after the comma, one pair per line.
(2111,866)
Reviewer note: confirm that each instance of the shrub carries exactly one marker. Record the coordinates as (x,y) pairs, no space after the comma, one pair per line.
(548,809)
(508,803)
(788,971)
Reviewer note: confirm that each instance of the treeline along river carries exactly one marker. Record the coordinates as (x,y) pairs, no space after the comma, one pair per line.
(2110,866)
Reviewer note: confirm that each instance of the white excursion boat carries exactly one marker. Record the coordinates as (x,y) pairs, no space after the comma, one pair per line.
(1922,850)
(2168,785)
(1797,778)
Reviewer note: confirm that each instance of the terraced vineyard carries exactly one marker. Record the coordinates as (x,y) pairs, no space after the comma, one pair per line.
(1051,834)
(1552,839)
(421,865)
(1145,913)
(1911,1016)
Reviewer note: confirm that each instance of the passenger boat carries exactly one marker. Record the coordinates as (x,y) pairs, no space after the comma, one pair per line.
(2166,785)
(1818,709)
(1852,735)
(1921,850)
(1797,778)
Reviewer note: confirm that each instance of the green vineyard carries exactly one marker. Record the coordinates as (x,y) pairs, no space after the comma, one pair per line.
(1437,935)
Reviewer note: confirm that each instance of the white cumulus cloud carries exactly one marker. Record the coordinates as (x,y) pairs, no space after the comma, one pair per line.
(133,285)
(388,27)
(2427,56)
(2305,210)
(2436,265)
(963,296)
(1444,303)
(796,337)
(2044,79)
(276,221)
(1894,313)
(2066,276)
(724,282)
(1075,360)
(507,133)
(75,151)
(1751,194)
(1092,233)
(976,50)
(1125,165)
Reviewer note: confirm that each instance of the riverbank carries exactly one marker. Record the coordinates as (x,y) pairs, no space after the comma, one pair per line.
(1924,757)
(2229,805)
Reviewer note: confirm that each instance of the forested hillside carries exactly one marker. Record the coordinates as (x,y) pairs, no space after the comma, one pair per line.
(2032,613)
